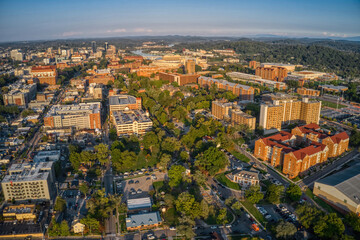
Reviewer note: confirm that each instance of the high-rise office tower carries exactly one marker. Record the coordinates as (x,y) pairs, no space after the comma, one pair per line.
(106,46)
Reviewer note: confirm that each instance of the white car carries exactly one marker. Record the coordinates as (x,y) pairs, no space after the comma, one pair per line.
(213,227)
(172,228)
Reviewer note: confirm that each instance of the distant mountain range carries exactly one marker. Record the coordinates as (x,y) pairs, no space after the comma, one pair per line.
(275,37)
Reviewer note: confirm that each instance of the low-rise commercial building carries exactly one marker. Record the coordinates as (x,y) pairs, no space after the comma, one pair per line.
(20,212)
(341,190)
(249,78)
(143,221)
(79,116)
(333,88)
(139,204)
(29,181)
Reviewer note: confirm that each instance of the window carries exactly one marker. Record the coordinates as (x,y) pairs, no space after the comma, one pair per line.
(345,201)
(319,187)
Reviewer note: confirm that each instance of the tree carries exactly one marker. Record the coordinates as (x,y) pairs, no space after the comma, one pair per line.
(60,204)
(102,153)
(329,226)
(353,220)
(293,192)
(253,194)
(199,178)
(75,160)
(308,215)
(184,156)
(112,134)
(170,145)
(164,161)
(176,174)
(212,161)
(84,188)
(222,216)
(273,193)
(123,161)
(204,209)
(87,157)
(150,139)
(185,227)
(91,224)
(44,138)
(187,205)
(285,230)
(64,228)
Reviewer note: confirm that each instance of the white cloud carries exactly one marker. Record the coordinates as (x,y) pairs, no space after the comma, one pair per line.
(69,34)
(118,30)
(142,30)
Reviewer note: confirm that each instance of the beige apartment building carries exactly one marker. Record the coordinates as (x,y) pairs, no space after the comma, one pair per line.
(229,111)
(29,181)
(79,116)
(284,109)
(131,122)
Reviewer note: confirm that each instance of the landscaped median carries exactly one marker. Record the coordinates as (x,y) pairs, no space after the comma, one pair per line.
(221,178)
(253,210)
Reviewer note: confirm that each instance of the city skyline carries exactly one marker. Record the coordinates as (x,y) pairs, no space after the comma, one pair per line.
(42,20)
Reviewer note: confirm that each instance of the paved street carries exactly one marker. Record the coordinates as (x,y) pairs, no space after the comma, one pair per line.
(309,181)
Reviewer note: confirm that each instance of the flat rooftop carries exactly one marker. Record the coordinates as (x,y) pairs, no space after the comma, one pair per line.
(25,172)
(80,108)
(122,100)
(128,117)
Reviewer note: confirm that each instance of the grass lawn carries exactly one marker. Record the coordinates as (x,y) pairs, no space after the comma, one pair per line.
(253,210)
(240,156)
(331,104)
(122,221)
(225,181)
(323,204)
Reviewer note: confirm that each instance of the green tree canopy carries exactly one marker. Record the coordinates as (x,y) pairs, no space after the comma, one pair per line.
(187,205)
(253,194)
(329,226)
(294,192)
(176,174)
(211,161)
(273,193)
(285,230)
(60,204)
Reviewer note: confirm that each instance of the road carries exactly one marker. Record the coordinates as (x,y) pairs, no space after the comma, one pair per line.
(262,166)
(309,181)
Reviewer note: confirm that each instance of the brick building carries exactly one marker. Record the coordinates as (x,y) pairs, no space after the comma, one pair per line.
(304,147)
(254,64)
(308,92)
(190,66)
(244,92)
(272,73)
(181,79)
(124,102)
(45,74)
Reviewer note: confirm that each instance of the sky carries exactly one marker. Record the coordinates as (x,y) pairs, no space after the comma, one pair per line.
(49,19)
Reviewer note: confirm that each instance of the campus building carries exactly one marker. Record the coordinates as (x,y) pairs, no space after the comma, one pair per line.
(249,78)
(45,74)
(304,147)
(79,116)
(341,190)
(131,122)
(29,181)
(272,73)
(230,111)
(190,66)
(244,178)
(281,109)
(181,79)
(242,91)
(308,92)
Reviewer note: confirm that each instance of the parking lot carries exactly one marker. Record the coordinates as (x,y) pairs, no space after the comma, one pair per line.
(140,186)
(74,202)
